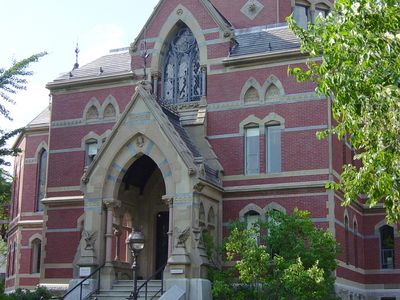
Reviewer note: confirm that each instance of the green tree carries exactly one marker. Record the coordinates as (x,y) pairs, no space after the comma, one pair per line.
(12,80)
(355,62)
(285,257)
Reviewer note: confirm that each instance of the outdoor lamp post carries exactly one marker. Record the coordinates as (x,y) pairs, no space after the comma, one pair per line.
(135,242)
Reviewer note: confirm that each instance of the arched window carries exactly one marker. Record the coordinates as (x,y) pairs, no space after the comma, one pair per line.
(346,238)
(91,151)
(386,234)
(36,255)
(273,146)
(251,219)
(182,78)
(41,179)
(355,244)
(301,13)
(272,91)
(92,113)
(251,95)
(109,111)
(252,150)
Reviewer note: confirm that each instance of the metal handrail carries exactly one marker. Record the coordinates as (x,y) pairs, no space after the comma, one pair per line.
(144,284)
(81,283)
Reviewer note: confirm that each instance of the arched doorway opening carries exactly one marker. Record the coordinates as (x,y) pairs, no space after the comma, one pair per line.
(141,192)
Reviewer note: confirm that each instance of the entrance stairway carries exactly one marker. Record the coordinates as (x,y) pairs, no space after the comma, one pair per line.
(121,289)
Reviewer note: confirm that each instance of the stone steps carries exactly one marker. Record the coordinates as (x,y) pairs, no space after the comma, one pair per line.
(121,289)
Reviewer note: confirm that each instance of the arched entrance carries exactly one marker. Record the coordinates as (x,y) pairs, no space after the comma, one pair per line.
(140,192)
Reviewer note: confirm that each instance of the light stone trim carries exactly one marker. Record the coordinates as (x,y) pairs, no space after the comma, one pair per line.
(64,189)
(276,186)
(261,62)
(66,199)
(29,223)
(91,84)
(306,128)
(278,175)
(29,275)
(274,196)
(58,265)
(261,123)
(367,271)
(67,150)
(286,99)
(80,122)
(30,161)
(64,230)
(251,9)
(169,26)
(93,102)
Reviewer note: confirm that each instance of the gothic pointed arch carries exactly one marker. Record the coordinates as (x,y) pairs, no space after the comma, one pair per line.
(110,108)
(181,76)
(275,206)
(273,88)
(250,91)
(252,209)
(179,16)
(92,110)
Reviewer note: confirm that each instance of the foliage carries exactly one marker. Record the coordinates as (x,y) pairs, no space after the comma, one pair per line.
(293,260)
(12,80)
(21,294)
(354,60)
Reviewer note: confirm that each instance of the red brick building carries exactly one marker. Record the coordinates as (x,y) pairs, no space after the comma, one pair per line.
(217,131)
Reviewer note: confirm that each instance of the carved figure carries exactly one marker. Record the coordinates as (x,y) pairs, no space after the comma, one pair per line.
(90,239)
(182,237)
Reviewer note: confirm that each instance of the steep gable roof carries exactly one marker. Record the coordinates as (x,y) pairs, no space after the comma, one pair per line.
(187,154)
(218,18)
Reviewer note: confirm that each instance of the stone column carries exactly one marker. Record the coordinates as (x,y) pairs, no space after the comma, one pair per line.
(156,76)
(168,200)
(117,233)
(204,80)
(110,205)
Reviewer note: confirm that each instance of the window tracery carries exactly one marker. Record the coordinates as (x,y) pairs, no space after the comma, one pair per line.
(182,75)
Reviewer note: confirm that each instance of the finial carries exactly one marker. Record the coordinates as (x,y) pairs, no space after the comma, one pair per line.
(76,65)
(101,71)
(269,47)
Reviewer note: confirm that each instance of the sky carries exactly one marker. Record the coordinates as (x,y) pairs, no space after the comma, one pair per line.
(55,26)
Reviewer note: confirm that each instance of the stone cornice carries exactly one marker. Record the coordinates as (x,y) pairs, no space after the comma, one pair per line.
(85,81)
(253,59)
(59,200)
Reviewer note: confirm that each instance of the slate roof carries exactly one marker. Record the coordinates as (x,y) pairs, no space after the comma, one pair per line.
(264,39)
(40,120)
(211,175)
(174,119)
(113,63)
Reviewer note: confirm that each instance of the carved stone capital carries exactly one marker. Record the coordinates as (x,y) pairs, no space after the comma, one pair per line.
(112,203)
(168,200)
(156,75)
(117,230)
(198,187)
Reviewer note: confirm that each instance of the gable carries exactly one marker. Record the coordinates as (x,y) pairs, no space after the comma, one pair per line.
(143,110)
(200,16)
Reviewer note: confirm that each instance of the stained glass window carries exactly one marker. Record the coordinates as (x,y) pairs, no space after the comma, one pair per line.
(182,78)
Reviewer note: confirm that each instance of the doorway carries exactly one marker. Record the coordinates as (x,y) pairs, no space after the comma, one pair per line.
(162,227)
